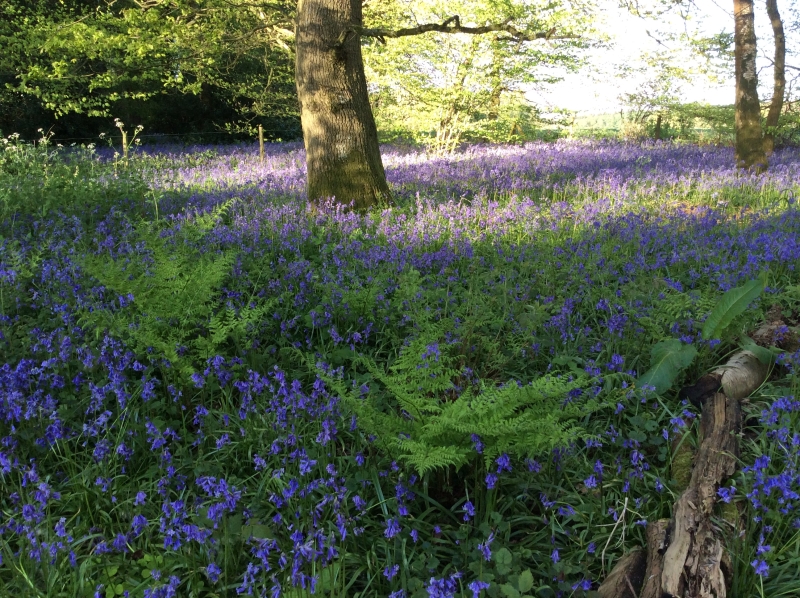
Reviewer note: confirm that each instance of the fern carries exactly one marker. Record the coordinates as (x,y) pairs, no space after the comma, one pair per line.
(415,411)
(175,311)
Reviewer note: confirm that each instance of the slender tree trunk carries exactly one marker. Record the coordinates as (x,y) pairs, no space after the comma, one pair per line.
(749,136)
(342,154)
(779,76)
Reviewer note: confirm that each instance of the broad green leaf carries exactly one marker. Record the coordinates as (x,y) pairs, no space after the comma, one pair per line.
(765,355)
(525,582)
(733,303)
(667,359)
(509,591)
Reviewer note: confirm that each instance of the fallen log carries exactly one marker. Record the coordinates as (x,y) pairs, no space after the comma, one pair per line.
(742,375)
(626,578)
(692,564)
(685,555)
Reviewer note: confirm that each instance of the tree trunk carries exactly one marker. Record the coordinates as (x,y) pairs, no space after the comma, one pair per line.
(341,140)
(779,76)
(749,138)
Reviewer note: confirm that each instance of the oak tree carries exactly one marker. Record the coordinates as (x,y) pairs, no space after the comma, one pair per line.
(339,131)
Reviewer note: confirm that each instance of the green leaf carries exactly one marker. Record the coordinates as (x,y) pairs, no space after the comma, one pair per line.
(764,355)
(509,591)
(667,359)
(258,531)
(733,303)
(503,557)
(525,582)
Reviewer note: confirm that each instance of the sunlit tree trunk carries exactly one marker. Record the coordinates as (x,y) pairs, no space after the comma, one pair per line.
(749,136)
(779,76)
(341,140)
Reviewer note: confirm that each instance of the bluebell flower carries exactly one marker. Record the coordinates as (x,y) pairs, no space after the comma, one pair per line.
(477,586)
(726,494)
(392,528)
(469,509)
(584,584)
(761,567)
(503,463)
(485,547)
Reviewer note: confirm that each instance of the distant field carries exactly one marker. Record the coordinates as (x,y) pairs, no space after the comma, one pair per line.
(612,122)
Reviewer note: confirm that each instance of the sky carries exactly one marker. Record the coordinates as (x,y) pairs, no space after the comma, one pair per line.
(589,91)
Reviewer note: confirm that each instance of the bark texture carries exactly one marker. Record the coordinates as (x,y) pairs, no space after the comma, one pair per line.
(779,76)
(341,140)
(749,135)
(657,541)
(693,561)
(742,375)
(625,579)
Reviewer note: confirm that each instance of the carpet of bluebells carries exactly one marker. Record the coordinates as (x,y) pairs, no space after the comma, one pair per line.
(182,340)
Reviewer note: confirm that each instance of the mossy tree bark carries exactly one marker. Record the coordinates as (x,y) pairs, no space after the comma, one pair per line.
(779,76)
(749,135)
(341,140)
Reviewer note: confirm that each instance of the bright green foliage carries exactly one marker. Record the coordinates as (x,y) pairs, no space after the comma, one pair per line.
(424,411)
(667,359)
(444,88)
(174,294)
(76,57)
(733,303)
(36,179)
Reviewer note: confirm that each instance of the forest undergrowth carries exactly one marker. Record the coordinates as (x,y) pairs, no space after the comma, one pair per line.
(209,389)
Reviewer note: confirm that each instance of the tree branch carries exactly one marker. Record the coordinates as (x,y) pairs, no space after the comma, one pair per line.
(453,25)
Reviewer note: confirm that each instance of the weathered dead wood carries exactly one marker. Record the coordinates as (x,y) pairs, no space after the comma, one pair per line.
(702,389)
(680,469)
(692,562)
(742,375)
(625,579)
(695,564)
(657,542)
